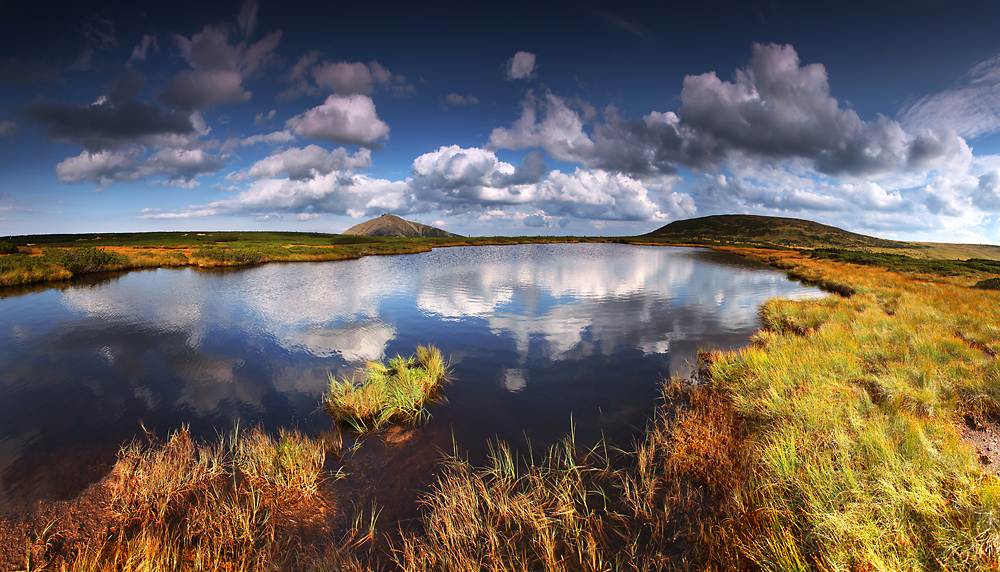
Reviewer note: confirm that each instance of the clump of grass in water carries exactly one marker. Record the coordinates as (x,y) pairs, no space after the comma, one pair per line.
(398,391)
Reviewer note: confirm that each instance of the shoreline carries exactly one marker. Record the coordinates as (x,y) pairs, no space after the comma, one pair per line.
(38,265)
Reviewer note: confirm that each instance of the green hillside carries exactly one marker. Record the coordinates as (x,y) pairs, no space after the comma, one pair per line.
(781,232)
(773,231)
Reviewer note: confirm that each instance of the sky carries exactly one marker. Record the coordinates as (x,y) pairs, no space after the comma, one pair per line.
(500,118)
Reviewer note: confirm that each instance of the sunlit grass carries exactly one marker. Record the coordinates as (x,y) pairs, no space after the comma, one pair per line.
(242,503)
(60,257)
(849,409)
(551,513)
(389,392)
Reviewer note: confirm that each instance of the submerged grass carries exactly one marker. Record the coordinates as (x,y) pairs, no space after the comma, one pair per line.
(397,391)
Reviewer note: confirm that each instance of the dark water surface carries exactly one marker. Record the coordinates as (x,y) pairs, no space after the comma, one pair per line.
(537,335)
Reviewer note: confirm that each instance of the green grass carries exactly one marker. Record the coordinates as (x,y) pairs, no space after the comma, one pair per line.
(847,412)
(903,263)
(397,391)
(771,232)
(241,255)
(65,256)
(830,443)
(988,284)
(798,234)
(187,239)
(17,269)
(84,260)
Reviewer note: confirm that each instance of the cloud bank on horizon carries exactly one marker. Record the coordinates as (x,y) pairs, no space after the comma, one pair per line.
(223,127)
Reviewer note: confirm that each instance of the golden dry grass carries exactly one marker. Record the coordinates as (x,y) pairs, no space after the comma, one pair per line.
(247,502)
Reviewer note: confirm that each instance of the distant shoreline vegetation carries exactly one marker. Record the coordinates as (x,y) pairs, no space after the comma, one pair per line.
(35,259)
(43,258)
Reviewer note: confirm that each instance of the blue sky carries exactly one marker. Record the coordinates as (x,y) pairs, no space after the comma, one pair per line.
(585,118)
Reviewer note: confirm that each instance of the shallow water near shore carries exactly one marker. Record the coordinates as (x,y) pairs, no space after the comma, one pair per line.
(539,337)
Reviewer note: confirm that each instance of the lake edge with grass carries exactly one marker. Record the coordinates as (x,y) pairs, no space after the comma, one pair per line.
(909,403)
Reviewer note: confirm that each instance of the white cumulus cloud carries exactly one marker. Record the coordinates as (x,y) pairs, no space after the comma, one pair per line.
(334,193)
(180,167)
(348,120)
(306,163)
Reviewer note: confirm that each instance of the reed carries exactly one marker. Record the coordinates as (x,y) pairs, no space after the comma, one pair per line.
(397,391)
(247,502)
(547,514)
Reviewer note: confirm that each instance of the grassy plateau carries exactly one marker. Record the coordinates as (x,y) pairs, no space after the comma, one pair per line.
(46,258)
(834,441)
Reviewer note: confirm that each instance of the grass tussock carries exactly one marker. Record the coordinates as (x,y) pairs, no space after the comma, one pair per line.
(547,514)
(248,502)
(7,247)
(397,391)
(988,284)
(18,269)
(58,264)
(85,260)
(238,256)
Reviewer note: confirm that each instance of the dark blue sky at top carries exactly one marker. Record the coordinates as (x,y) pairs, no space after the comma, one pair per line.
(892,131)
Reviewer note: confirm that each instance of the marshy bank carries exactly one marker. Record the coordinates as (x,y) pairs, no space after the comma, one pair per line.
(830,442)
(26,260)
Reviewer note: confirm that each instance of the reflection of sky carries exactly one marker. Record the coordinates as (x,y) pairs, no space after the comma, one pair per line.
(209,347)
(614,295)
(557,301)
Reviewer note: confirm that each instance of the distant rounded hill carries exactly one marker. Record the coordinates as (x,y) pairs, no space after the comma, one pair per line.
(778,231)
(391,225)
